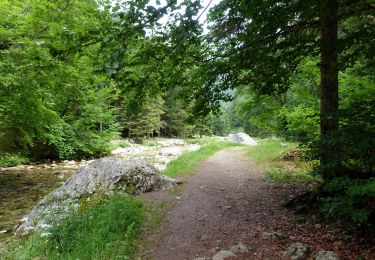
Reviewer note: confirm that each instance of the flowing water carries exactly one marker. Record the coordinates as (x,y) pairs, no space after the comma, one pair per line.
(22,187)
(20,191)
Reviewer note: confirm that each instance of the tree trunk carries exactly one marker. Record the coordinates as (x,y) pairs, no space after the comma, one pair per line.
(329,121)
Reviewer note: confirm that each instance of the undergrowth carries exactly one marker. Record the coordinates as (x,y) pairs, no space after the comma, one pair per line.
(9,160)
(106,229)
(268,155)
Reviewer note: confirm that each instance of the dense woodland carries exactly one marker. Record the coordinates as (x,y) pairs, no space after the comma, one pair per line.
(76,74)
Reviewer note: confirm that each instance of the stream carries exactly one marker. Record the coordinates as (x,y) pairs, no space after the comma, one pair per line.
(21,189)
(23,186)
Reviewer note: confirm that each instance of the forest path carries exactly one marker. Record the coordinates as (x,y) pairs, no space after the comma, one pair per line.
(225,202)
(228,201)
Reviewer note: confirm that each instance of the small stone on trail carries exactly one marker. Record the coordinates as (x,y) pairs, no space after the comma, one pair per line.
(239,248)
(201,258)
(297,251)
(228,207)
(326,255)
(178,198)
(223,254)
(272,235)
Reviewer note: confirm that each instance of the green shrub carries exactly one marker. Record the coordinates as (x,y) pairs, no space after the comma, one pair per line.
(350,198)
(105,228)
(8,160)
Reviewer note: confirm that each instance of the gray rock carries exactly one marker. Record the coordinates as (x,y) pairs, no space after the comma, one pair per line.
(106,175)
(272,235)
(239,249)
(297,251)
(326,255)
(221,255)
(242,138)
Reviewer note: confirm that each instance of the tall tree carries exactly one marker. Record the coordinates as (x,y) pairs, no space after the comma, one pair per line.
(262,43)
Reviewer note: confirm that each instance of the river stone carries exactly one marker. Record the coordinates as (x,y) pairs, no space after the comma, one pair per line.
(171,142)
(242,138)
(105,175)
(297,251)
(223,254)
(326,255)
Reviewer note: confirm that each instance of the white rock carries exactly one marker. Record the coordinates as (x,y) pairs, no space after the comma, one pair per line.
(3,231)
(171,142)
(297,251)
(221,255)
(326,255)
(242,138)
(239,248)
(272,235)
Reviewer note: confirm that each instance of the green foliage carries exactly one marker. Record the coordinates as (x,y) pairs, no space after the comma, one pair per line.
(350,198)
(281,175)
(186,163)
(8,160)
(104,229)
(268,155)
(52,103)
(302,123)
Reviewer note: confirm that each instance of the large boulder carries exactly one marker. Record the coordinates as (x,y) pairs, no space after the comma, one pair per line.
(241,138)
(106,175)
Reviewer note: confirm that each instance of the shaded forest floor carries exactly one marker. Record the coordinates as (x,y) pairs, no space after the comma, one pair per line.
(229,201)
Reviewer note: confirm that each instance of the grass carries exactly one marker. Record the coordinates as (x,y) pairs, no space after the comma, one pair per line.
(105,229)
(186,163)
(267,155)
(268,149)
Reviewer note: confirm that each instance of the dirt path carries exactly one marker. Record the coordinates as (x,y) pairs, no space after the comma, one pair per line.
(226,202)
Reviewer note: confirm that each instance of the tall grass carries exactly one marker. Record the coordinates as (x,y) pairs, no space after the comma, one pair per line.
(269,149)
(103,229)
(267,155)
(185,163)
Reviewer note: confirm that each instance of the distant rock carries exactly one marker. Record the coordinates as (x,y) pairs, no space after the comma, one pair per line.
(223,254)
(297,251)
(326,255)
(239,249)
(105,175)
(242,138)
